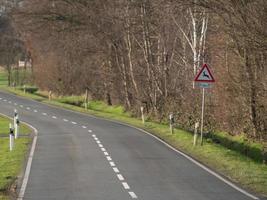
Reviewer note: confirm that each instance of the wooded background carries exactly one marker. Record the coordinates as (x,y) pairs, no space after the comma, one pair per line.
(146,53)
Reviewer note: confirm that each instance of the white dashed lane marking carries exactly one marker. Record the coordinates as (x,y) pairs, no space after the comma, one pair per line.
(103,149)
(84,127)
(133,195)
(45,114)
(65,120)
(126,186)
(10,102)
(74,123)
(116,170)
(15,104)
(109,158)
(54,117)
(35,111)
(120,177)
(90,131)
(21,106)
(28,108)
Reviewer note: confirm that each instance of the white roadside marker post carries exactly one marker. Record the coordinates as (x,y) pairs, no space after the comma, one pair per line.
(11,137)
(50,95)
(142,113)
(16,123)
(171,118)
(17,127)
(86,99)
(15,114)
(195,133)
(24,89)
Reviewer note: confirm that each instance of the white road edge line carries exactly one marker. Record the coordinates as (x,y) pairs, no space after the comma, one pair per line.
(29,162)
(133,195)
(177,151)
(201,165)
(184,155)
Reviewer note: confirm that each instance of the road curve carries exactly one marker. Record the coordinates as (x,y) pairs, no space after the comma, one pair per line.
(81,157)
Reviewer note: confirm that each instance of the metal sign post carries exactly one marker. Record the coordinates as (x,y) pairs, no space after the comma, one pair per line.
(202,116)
(204,78)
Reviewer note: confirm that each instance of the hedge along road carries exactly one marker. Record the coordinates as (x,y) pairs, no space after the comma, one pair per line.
(83,157)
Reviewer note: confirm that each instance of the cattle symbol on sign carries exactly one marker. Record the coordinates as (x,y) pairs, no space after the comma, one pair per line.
(204,75)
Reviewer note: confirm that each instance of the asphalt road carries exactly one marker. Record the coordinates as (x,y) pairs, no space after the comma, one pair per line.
(79,157)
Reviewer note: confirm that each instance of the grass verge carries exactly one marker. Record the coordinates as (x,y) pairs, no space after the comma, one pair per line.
(11,163)
(239,168)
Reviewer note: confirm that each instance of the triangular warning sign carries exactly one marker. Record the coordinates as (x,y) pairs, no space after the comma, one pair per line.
(204,75)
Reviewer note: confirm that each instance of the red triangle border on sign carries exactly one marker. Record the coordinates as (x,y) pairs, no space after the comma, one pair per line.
(200,72)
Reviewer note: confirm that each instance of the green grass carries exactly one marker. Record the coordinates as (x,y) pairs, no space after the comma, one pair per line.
(229,162)
(11,163)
